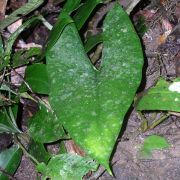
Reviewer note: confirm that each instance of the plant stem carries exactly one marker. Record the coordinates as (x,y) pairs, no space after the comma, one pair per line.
(152,126)
(25,151)
(24,136)
(144,124)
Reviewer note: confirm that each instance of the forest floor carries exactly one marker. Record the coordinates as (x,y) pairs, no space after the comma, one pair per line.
(159,31)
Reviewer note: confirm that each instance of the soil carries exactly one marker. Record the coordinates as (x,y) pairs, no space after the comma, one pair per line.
(161,44)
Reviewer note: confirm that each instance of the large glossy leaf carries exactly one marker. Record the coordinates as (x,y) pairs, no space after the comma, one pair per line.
(90,103)
(27,8)
(44,126)
(67,166)
(164,96)
(9,160)
(62,22)
(37,79)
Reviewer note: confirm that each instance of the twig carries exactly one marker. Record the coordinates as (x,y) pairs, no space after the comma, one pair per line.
(131,6)
(45,22)
(29,88)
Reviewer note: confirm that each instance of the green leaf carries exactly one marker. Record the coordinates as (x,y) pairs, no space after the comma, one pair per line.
(6,128)
(164,96)
(44,126)
(9,160)
(70,6)
(6,125)
(27,8)
(91,104)
(23,56)
(38,150)
(84,12)
(152,143)
(62,22)
(37,78)
(92,42)
(67,166)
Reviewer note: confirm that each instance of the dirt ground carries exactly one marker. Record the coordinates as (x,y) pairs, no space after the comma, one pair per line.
(161,44)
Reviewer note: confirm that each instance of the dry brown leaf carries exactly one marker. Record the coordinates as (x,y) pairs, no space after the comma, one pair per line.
(73,148)
(21,44)
(161,39)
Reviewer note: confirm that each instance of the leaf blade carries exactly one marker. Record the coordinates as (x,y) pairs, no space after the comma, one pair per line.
(38,150)
(44,126)
(9,160)
(63,20)
(70,6)
(152,143)
(160,97)
(80,96)
(67,166)
(38,82)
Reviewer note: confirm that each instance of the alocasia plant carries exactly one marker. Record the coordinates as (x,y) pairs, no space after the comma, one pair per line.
(91,103)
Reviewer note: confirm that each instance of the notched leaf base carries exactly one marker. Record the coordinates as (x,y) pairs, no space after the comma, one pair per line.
(91,104)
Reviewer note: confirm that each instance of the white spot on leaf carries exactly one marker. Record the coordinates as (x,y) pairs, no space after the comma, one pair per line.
(175,87)
(124,30)
(93,113)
